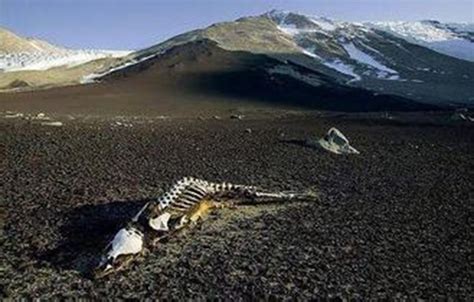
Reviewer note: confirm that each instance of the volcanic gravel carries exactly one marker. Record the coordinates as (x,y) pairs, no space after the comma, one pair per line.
(393,222)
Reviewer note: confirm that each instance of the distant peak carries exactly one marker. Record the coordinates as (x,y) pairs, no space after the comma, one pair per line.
(282,14)
(277,12)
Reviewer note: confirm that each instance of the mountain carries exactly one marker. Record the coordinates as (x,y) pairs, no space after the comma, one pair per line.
(379,57)
(12,43)
(18,54)
(452,39)
(22,60)
(200,78)
(294,59)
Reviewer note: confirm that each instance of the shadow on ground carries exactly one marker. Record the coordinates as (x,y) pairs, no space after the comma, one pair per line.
(86,232)
(297,142)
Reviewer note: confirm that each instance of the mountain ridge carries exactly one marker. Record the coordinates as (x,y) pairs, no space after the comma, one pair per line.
(201,78)
(352,54)
(12,43)
(26,54)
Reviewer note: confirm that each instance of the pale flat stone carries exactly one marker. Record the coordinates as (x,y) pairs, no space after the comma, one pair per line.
(334,141)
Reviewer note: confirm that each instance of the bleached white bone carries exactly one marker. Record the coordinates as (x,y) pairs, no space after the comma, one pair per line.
(160,223)
(126,241)
(334,141)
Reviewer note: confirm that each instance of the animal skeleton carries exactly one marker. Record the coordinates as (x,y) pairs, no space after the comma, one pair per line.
(184,203)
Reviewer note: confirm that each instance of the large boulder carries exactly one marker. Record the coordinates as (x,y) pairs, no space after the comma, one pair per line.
(334,141)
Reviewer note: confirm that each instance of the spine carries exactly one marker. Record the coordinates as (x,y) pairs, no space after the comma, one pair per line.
(189,191)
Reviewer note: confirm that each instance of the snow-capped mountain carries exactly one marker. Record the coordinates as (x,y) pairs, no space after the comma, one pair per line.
(425,61)
(456,40)
(20,54)
(45,60)
(341,46)
(348,47)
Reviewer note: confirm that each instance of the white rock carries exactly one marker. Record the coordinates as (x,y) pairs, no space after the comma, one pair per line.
(15,115)
(54,124)
(237,116)
(334,141)
(41,116)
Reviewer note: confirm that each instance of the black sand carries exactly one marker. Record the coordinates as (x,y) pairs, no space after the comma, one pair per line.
(393,222)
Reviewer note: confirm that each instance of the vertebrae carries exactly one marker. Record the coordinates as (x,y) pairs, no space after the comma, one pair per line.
(188,191)
(185,196)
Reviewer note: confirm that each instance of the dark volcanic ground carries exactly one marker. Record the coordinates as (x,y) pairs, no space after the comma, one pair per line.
(393,222)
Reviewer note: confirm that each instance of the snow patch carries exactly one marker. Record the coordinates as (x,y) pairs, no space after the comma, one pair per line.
(341,67)
(289,29)
(40,60)
(91,78)
(289,71)
(370,48)
(311,53)
(394,77)
(324,23)
(440,39)
(365,58)
(292,30)
(418,30)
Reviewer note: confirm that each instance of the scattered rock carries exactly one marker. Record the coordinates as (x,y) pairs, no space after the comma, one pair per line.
(376,220)
(54,124)
(13,115)
(387,116)
(237,116)
(41,116)
(122,124)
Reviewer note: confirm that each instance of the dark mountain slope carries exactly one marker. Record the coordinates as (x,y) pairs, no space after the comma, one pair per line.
(198,74)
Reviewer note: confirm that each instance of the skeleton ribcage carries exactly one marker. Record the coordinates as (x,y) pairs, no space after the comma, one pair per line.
(188,192)
(183,196)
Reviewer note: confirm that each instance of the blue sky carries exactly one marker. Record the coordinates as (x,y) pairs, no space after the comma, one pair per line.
(133,24)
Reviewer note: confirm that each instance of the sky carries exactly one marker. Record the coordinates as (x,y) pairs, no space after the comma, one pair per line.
(134,24)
